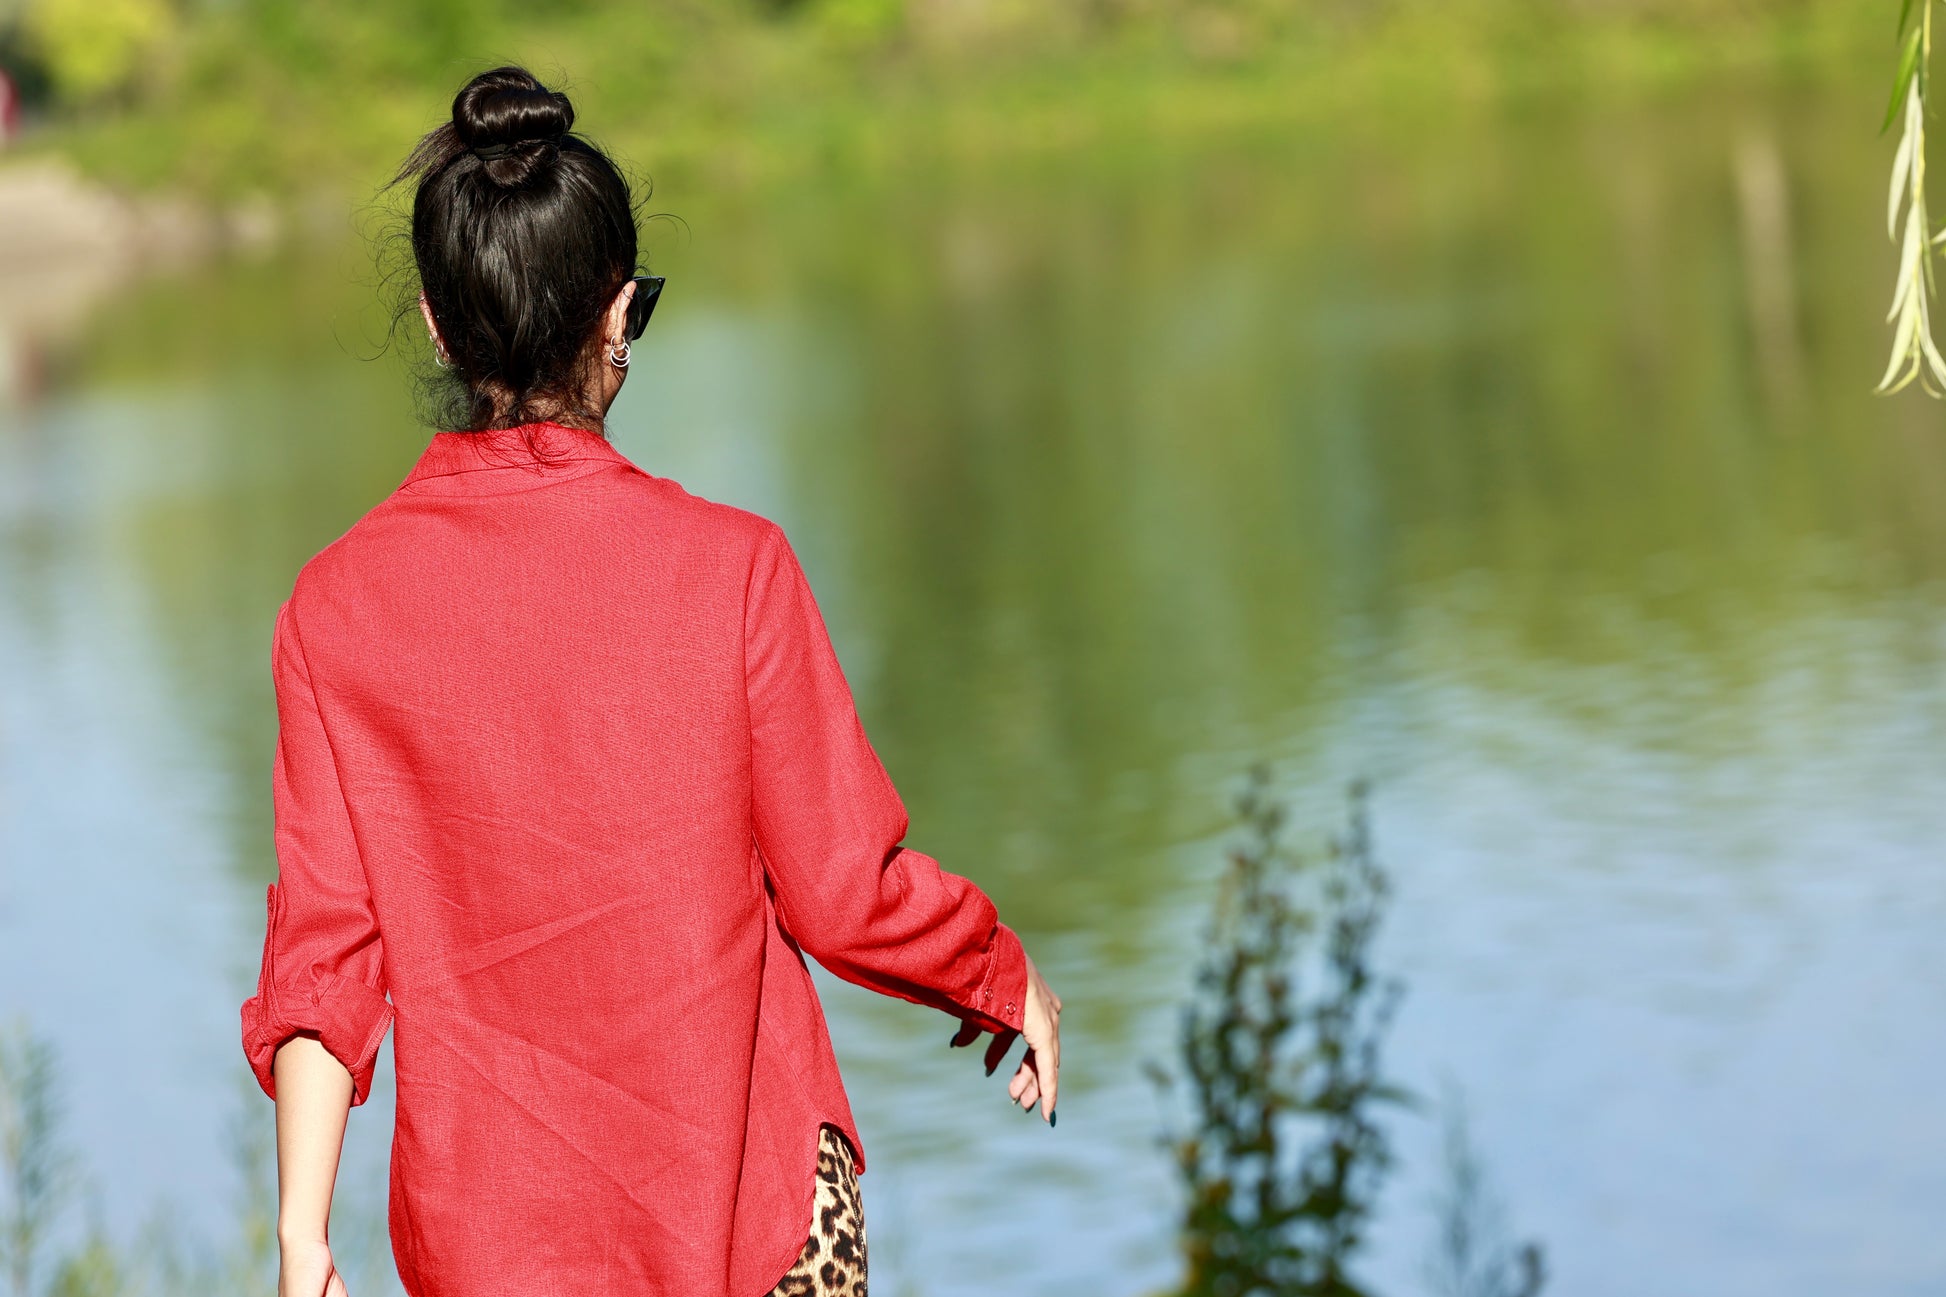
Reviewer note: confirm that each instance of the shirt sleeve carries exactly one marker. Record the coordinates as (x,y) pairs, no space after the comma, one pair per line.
(322,972)
(830,826)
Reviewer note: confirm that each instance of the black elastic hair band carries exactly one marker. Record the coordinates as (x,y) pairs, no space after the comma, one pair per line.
(488,152)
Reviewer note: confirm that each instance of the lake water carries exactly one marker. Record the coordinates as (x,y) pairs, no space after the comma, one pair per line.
(1525,464)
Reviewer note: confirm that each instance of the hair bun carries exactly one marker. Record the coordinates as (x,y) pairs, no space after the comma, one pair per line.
(501,110)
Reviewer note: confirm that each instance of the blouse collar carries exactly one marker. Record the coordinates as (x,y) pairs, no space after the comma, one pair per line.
(556,451)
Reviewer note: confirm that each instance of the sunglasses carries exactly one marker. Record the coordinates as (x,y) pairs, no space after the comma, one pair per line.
(648,288)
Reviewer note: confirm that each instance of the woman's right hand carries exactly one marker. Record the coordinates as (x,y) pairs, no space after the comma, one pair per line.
(1038,1077)
(305,1269)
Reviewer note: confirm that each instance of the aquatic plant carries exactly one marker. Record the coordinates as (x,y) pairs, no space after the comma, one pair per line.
(1914,354)
(43,1253)
(96,1269)
(1281,1061)
(38,1172)
(1475,1255)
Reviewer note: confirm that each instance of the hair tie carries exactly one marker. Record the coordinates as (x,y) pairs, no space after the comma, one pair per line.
(488,152)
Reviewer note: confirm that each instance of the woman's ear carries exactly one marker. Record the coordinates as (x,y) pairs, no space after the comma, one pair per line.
(432,326)
(614,328)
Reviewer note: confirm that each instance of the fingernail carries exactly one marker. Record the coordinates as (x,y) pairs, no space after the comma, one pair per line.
(1052,1117)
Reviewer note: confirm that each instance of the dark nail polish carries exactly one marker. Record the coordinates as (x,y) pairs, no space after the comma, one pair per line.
(1053,1117)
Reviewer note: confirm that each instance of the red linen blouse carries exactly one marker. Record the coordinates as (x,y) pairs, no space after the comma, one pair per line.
(567,769)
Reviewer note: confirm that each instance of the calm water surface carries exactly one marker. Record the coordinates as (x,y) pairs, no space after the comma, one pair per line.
(1528,467)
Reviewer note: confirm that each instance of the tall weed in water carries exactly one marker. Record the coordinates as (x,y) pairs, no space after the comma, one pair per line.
(40,1179)
(1475,1255)
(39,1173)
(1281,1063)
(1282,1069)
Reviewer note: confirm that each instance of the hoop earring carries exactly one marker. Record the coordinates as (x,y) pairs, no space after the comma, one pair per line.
(618,356)
(439,359)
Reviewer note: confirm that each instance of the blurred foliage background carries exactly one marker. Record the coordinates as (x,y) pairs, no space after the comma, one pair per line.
(242,96)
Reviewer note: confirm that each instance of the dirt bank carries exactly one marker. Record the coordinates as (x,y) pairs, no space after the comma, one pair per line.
(65,241)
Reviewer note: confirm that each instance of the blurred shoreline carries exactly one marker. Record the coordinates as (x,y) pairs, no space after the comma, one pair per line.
(240,131)
(290,106)
(70,241)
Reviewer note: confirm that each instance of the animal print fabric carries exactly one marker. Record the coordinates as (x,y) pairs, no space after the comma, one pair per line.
(833,1261)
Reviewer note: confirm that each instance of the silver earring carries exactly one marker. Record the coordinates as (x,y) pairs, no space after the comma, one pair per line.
(439,359)
(618,356)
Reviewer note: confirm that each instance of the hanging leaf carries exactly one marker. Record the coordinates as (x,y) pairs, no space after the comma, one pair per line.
(1908,68)
(1915,357)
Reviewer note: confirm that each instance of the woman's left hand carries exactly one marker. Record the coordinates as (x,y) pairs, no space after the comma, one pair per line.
(1038,1077)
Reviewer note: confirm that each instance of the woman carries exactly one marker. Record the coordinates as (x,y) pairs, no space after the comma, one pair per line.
(567,768)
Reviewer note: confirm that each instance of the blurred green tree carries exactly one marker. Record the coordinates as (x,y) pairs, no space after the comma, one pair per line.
(93,49)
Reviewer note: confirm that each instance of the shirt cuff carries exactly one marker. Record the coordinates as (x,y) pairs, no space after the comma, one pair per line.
(348,1017)
(1003,994)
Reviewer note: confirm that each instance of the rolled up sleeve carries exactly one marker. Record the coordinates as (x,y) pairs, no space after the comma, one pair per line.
(830,827)
(323,968)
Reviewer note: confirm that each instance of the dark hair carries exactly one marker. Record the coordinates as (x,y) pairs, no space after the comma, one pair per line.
(522,234)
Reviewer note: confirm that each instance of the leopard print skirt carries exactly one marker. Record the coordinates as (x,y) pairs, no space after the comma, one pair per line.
(833,1261)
